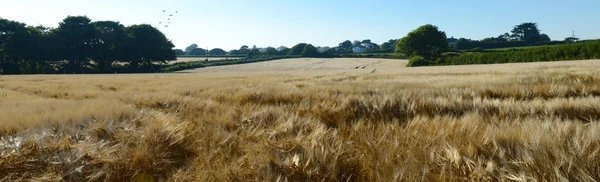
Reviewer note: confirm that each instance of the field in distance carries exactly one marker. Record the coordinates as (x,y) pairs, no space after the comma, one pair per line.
(306,120)
(199,58)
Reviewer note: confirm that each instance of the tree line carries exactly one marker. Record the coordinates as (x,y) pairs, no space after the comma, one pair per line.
(524,34)
(80,45)
(427,45)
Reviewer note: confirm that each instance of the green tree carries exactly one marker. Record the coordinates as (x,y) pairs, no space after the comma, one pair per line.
(426,41)
(527,32)
(297,49)
(346,45)
(217,52)
(78,36)
(544,38)
(309,51)
(109,46)
(146,45)
(244,49)
(197,52)
(463,43)
(270,51)
(386,45)
(179,52)
(235,52)
(190,48)
(12,48)
(284,51)
(253,53)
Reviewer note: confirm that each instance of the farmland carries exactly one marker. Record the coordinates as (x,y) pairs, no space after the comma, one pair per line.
(190,59)
(306,119)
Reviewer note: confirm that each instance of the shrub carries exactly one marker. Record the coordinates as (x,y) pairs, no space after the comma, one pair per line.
(418,61)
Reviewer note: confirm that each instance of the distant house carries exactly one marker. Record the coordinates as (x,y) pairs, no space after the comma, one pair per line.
(359,49)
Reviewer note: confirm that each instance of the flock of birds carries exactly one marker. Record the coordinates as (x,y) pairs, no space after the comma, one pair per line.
(168,21)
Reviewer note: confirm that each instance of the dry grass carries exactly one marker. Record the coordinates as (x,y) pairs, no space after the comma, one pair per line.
(510,122)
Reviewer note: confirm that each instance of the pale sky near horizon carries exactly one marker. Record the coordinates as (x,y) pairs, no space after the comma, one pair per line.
(229,24)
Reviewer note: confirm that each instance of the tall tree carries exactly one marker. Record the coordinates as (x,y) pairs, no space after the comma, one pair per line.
(270,51)
(527,32)
(426,41)
(309,51)
(189,49)
(12,48)
(78,36)
(346,45)
(146,45)
(244,49)
(297,49)
(109,45)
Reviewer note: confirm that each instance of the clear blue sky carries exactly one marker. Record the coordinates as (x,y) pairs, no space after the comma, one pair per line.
(230,24)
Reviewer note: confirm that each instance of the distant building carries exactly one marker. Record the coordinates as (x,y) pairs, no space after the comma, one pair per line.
(359,49)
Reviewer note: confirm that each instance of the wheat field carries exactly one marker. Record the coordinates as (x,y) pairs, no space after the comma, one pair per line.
(306,120)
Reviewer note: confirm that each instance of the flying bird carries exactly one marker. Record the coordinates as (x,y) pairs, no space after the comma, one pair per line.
(176,11)
(164,10)
(159,22)
(171,15)
(168,18)
(166,25)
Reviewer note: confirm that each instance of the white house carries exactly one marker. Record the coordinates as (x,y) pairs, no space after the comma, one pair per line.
(359,49)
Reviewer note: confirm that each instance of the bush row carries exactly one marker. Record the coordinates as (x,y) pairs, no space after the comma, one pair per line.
(575,51)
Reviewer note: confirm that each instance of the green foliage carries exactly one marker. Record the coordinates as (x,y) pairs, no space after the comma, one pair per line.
(79,45)
(418,61)
(575,51)
(146,45)
(253,53)
(426,41)
(310,51)
(197,52)
(179,52)
(346,45)
(189,49)
(270,51)
(527,32)
(78,36)
(217,52)
(284,51)
(297,49)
